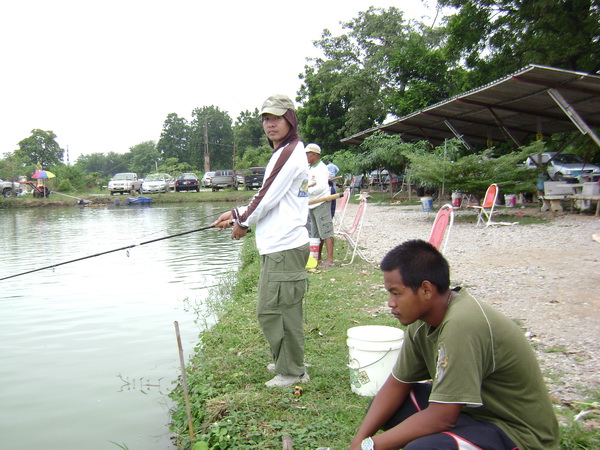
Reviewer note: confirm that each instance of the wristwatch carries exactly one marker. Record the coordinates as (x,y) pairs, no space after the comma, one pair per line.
(367,444)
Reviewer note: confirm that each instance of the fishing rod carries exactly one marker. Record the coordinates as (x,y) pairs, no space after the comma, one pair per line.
(80,202)
(127,247)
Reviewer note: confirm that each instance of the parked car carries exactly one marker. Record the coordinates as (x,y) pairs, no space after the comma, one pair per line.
(9,188)
(206,179)
(155,183)
(187,182)
(564,166)
(254,179)
(126,182)
(240,177)
(223,179)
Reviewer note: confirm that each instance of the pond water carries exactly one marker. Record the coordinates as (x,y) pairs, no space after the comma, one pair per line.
(88,350)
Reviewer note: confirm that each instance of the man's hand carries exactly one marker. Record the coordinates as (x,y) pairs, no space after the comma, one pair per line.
(238,232)
(224,221)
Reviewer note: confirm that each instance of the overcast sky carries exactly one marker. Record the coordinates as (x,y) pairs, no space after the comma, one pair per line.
(104,75)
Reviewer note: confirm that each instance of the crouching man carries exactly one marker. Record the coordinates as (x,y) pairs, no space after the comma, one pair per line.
(486,389)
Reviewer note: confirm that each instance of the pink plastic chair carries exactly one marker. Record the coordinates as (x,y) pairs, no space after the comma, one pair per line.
(340,209)
(442,225)
(352,235)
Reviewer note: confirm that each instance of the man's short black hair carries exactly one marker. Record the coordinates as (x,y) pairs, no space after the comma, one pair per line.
(330,160)
(418,261)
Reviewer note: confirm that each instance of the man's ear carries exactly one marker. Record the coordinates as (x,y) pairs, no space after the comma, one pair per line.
(428,289)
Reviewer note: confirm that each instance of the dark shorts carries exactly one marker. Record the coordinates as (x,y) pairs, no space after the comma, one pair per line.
(321,223)
(469,433)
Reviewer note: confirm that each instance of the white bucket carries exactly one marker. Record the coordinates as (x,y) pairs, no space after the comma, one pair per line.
(427,203)
(510,200)
(373,351)
(314,247)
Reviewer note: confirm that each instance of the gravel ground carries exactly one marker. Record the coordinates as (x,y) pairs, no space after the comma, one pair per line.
(544,276)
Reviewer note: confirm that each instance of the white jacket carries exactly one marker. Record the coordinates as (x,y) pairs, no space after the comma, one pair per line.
(319,175)
(279,210)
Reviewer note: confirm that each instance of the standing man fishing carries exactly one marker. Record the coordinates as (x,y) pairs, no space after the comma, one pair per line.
(279,211)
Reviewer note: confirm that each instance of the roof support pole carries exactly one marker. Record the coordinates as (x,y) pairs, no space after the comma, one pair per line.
(455,133)
(573,115)
(503,128)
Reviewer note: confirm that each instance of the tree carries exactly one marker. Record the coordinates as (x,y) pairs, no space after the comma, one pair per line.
(248,133)
(103,164)
(474,172)
(382,65)
(174,167)
(497,37)
(12,166)
(255,157)
(173,142)
(143,157)
(41,147)
(211,126)
(385,151)
(72,178)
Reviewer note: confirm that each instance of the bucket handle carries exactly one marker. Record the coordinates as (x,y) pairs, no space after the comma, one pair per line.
(368,365)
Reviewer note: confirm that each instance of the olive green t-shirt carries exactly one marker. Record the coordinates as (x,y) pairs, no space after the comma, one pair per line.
(478,357)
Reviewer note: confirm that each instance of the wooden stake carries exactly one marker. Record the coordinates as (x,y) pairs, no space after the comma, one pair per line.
(184,382)
(287,442)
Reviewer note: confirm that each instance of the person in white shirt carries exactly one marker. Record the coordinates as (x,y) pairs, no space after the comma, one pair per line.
(278,211)
(321,223)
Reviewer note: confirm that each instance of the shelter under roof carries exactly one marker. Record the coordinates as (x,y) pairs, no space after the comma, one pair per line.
(534,102)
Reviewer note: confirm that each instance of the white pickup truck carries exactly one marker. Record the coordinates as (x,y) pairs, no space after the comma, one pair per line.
(9,188)
(126,182)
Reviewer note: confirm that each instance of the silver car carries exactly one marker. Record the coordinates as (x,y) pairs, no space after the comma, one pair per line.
(565,165)
(156,183)
(207,178)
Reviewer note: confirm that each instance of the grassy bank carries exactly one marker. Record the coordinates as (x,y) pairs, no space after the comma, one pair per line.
(231,408)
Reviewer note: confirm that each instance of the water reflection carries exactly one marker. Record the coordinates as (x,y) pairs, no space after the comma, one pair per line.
(88,349)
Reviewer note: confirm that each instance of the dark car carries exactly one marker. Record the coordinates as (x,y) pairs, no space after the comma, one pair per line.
(254,179)
(187,182)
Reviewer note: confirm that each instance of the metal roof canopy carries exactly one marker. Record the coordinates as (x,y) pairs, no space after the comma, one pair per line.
(536,100)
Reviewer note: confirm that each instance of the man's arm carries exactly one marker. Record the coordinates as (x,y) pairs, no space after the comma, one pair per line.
(436,418)
(387,401)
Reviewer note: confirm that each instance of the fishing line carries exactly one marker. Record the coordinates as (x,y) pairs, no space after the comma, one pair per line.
(126,247)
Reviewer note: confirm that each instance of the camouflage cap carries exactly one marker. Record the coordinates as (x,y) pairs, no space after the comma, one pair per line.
(277,105)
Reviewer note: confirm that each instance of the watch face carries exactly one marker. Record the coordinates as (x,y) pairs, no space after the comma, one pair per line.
(367,444)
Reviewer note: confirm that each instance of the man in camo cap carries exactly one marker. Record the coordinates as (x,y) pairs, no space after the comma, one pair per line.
(278,212)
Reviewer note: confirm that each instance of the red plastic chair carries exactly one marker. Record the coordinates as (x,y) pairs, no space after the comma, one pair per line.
(486,210)
(442,225)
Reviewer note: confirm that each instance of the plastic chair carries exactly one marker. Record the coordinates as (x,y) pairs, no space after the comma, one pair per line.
(352,235)
(486,210)
(442,225)
(340,209)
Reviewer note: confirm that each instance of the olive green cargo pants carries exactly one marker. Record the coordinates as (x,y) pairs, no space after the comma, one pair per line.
(283,281)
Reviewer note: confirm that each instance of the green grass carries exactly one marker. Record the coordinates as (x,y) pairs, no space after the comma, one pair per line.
(231,408)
